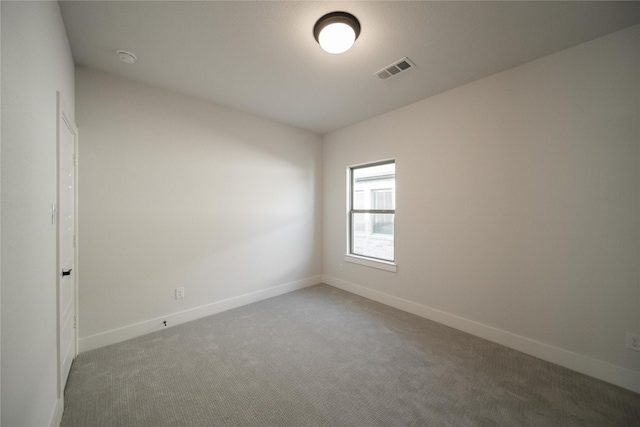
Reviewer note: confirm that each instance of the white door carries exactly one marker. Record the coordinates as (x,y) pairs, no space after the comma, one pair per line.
(67,135)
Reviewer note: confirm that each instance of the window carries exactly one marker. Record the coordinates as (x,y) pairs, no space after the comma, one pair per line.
(372,211)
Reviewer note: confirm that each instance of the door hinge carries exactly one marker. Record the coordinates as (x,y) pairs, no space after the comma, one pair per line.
(74,160)
(74,241)
(74,322)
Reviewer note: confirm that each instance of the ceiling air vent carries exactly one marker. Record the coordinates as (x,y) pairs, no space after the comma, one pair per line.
(394,69)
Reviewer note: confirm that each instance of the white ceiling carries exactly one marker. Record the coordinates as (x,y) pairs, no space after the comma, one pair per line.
(261,57)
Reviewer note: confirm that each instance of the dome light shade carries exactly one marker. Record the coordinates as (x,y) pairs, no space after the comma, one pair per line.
(336,31)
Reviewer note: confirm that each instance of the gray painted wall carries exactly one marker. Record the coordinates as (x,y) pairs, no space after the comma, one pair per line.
(178,192)
(36,62)
(518,205)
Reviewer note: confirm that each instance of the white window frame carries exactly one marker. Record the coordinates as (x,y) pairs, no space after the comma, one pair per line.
(350,256)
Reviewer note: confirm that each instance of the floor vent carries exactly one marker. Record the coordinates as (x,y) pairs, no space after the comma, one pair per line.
(394,69)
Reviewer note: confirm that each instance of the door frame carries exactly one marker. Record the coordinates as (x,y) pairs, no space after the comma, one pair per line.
(64,116)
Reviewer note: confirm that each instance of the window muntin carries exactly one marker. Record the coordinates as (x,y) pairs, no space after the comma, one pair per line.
(372,211)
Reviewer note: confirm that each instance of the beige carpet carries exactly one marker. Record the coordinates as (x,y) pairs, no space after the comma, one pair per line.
(324,357)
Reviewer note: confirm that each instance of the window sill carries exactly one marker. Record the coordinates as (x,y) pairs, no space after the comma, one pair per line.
(374,263)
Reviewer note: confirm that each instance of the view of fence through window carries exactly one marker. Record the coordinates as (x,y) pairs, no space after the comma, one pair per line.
(373,210)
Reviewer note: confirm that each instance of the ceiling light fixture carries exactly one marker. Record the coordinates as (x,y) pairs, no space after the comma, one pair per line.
(126,57)
(336,31)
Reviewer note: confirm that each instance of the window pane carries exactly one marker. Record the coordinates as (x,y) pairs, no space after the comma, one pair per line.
(366,241)
(382,199)
(382,224)
(358,199)
(370,180)
(360,222)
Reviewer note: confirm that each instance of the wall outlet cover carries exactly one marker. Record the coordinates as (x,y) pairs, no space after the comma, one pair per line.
(179,293)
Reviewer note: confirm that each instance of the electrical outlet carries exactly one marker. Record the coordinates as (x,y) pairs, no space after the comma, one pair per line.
(179,293)
(633,341)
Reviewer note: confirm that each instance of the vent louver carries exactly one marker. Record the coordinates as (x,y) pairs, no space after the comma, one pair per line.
(394,69)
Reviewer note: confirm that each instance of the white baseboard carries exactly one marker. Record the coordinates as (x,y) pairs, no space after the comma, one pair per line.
(142,328)
(56,416)
(604,371)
